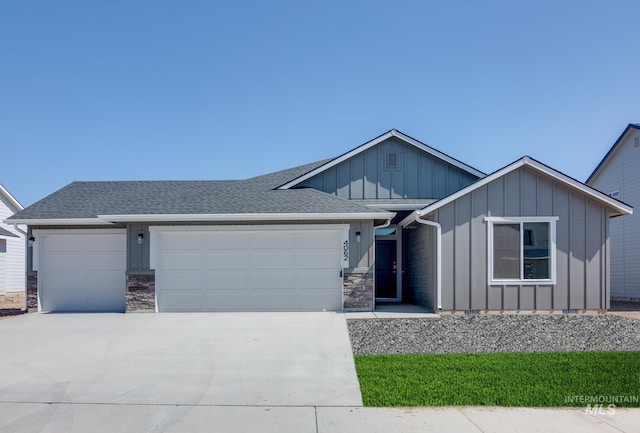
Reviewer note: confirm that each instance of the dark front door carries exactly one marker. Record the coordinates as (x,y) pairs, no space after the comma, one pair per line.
(386,269)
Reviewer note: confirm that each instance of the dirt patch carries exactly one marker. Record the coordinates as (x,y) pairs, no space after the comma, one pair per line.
(12,304)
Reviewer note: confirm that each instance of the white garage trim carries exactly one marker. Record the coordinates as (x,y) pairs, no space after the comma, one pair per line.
(249,268)
(80,269)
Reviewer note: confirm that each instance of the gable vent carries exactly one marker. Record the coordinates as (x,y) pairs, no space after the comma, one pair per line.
(392,160)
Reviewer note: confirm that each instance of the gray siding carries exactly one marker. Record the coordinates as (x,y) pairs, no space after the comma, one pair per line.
(361,254)
(581,246)
(419,281)
(620,173)
(418,175)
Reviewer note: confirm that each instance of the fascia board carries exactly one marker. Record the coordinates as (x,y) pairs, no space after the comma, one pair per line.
(374,142)
(11,199)
(611,151)
(59,222)
(247,217)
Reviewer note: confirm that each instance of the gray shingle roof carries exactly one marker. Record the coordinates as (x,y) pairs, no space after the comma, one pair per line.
(255,195)
(7,233)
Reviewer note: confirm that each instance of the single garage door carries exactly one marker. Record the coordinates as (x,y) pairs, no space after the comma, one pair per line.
(251,269)
(81,270)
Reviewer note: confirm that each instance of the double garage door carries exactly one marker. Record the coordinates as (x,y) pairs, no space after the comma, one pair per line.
(197,269)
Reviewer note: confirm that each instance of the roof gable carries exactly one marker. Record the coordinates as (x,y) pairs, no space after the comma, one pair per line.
(362,148)
(616,207)
(613,150)
(11,200)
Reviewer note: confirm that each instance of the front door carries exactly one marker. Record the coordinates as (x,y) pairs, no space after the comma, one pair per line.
(388,269)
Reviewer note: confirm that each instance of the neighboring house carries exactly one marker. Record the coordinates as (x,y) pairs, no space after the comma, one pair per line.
(12,247)
(391,220)
(618,175)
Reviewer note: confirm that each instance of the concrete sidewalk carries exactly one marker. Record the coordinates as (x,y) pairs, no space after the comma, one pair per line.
(127,418)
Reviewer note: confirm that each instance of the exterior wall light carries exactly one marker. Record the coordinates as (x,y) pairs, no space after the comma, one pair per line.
(31,241)
(140,238)
(358,237)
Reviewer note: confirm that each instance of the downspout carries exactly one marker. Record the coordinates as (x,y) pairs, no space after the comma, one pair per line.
(18,229)
(438,256)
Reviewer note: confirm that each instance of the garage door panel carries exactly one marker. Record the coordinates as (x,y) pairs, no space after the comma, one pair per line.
(104,300)
(233,259)
(181,260)
(272,279)
(82,271)
(227,241)
(327,299)
(105,261)
(273,259)
(273,300)
(312,279)
(64,243)
(105,280)
(321,259)
(64,300)
(260,270)
(319,240)
(65,262)
(180,300)
(106,243)
(225,300)
(274,240)
(180,280)
(226,280)
(64,280)
(181,241)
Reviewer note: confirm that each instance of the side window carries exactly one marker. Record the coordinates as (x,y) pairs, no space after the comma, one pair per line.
(3,246)
(521,249)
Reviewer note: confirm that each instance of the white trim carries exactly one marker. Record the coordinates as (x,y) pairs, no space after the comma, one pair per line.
(398,206)
(521,220)
(14,202)
(613,204)
(60,222)
(378,140)
(246,217)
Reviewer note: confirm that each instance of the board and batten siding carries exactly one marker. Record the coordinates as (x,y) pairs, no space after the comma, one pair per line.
(12,262)
(418,175)
(582,246)
(621,173)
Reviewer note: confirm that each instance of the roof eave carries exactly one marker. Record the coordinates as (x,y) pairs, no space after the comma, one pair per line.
(247,217)
(58,221)
(11,199)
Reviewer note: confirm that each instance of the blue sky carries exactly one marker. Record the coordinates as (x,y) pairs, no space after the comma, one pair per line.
(127,90)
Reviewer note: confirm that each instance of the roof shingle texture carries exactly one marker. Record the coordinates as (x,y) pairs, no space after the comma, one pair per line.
(254,195)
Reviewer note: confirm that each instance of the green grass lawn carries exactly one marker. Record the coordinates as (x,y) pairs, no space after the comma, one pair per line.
(498,379)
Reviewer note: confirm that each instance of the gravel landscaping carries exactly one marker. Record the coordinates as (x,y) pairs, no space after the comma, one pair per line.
(495,333)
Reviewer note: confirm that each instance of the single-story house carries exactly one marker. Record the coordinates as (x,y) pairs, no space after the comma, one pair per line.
(12,247)
(391,220)
(618,175)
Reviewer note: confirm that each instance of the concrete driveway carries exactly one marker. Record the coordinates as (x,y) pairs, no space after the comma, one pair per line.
(223,359)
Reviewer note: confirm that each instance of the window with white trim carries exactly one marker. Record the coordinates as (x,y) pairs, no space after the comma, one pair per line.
(521,249)
(3,245)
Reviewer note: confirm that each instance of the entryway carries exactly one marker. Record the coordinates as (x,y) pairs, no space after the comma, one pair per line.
(388,271)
